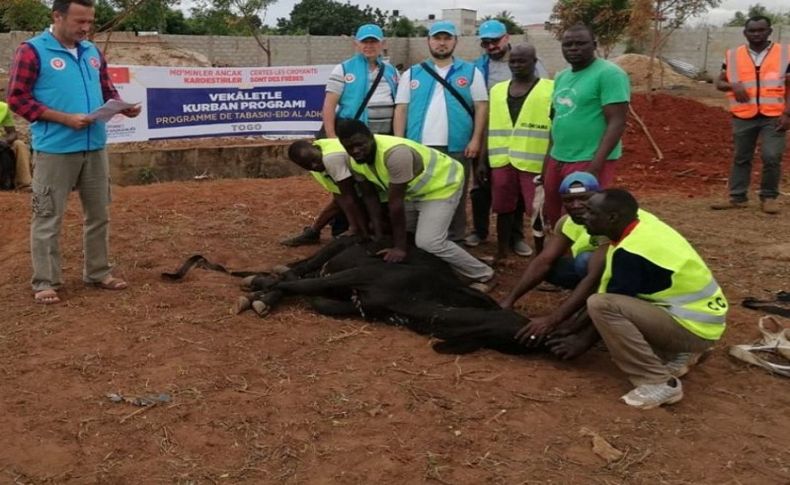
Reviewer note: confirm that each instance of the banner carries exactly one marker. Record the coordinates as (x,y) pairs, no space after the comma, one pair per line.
(179,102)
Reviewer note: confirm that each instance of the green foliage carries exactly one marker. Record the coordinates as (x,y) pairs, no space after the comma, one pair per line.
(509,20)
(400,27)
(756,10)
(328,17)
(607,18)
(30,15)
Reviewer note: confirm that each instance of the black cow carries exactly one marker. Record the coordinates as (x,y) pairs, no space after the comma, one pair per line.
(346,277)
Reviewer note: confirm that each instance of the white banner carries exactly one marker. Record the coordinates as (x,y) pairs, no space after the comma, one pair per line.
(179,102)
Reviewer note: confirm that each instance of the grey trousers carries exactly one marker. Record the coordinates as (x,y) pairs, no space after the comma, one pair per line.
(638,334)
(429,220)
(53,179)
(457,231)
(745,136)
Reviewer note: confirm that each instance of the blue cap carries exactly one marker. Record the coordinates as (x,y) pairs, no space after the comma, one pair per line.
(369,31)
(491,29)
(587,180)
(443,26)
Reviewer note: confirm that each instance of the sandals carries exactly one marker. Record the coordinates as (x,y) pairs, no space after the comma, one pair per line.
(773,348)
(46,297)
(110,283)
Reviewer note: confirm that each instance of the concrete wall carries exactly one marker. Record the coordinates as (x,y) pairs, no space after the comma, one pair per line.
(702,47)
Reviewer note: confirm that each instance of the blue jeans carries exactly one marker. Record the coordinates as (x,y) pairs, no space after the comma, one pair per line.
(568,271)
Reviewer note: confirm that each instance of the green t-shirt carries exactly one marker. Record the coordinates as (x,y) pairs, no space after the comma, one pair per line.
(6,119)
(578,100)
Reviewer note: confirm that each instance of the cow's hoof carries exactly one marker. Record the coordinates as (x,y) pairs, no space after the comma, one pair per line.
(246,283)
(242,305)
(261,308)
(280,269)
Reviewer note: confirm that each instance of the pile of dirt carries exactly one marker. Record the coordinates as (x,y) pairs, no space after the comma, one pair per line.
(153,55)
(636,65)
(696,141)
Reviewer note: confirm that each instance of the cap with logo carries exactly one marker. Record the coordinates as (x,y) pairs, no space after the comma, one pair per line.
(491,29)
(369,31)
(443,27)
(579,182)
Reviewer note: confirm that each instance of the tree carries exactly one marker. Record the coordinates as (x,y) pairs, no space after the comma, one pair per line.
(328,17)
(608,19)
(757,10)
(660,18)
(400,27)
(253,15)
(509,20)
(30,15)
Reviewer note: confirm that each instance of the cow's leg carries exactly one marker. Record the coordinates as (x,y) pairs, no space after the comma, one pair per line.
(317,260)
(326,285)
(264,302)
(333,308)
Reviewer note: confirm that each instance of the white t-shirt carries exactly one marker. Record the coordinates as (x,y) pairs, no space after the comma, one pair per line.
(380,107)
(336,166)
(435,129)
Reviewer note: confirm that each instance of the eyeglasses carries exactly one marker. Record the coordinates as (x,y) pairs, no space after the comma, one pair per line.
(487,42)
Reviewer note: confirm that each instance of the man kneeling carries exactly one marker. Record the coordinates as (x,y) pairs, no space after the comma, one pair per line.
(658,306)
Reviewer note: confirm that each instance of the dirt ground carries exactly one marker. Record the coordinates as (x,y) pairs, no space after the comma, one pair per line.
(299,398)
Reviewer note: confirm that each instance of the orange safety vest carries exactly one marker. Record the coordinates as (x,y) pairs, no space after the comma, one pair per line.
(766,91)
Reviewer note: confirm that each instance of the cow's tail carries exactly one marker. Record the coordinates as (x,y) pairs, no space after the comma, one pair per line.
(199,261)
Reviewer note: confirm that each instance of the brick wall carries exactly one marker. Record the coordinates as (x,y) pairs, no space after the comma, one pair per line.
(702,47)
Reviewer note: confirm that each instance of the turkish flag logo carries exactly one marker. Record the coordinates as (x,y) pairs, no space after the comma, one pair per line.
(119,75)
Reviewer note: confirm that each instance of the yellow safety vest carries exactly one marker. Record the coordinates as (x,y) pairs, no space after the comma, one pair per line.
(440,178)
(328,146)
(695,299)
(524,145)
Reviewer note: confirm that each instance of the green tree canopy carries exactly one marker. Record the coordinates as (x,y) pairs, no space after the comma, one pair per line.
(607,18)
(509,20)
(756,10)
(329,17)
(30,15)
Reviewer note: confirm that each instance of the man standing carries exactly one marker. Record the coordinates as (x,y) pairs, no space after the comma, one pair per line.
(17,150)
(518,139)
(423,189)
(57,78)
(433,93)
(362,87)
(589,106)
(493,63)
(656,309)
(756,78)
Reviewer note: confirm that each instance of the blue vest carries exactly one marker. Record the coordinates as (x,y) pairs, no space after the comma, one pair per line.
(460,124)
(355,74)
(482,64)
(71,86)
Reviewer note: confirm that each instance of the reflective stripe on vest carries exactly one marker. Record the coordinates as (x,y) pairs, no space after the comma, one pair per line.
(766,93)
(694,299)
(441,176)
(328,146)
(524,144)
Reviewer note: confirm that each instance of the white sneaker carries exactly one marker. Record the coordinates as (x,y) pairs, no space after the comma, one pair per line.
(649,396)
(522,249)
(680,364)
(472,240)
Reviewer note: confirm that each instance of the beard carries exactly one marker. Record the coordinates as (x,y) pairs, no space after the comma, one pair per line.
(442,55)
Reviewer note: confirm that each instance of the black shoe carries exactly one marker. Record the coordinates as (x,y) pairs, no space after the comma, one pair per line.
(308,236)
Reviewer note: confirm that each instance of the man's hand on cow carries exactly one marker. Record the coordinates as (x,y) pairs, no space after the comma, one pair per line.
(533,333)
(507,303)
(393,255)
(740,93)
